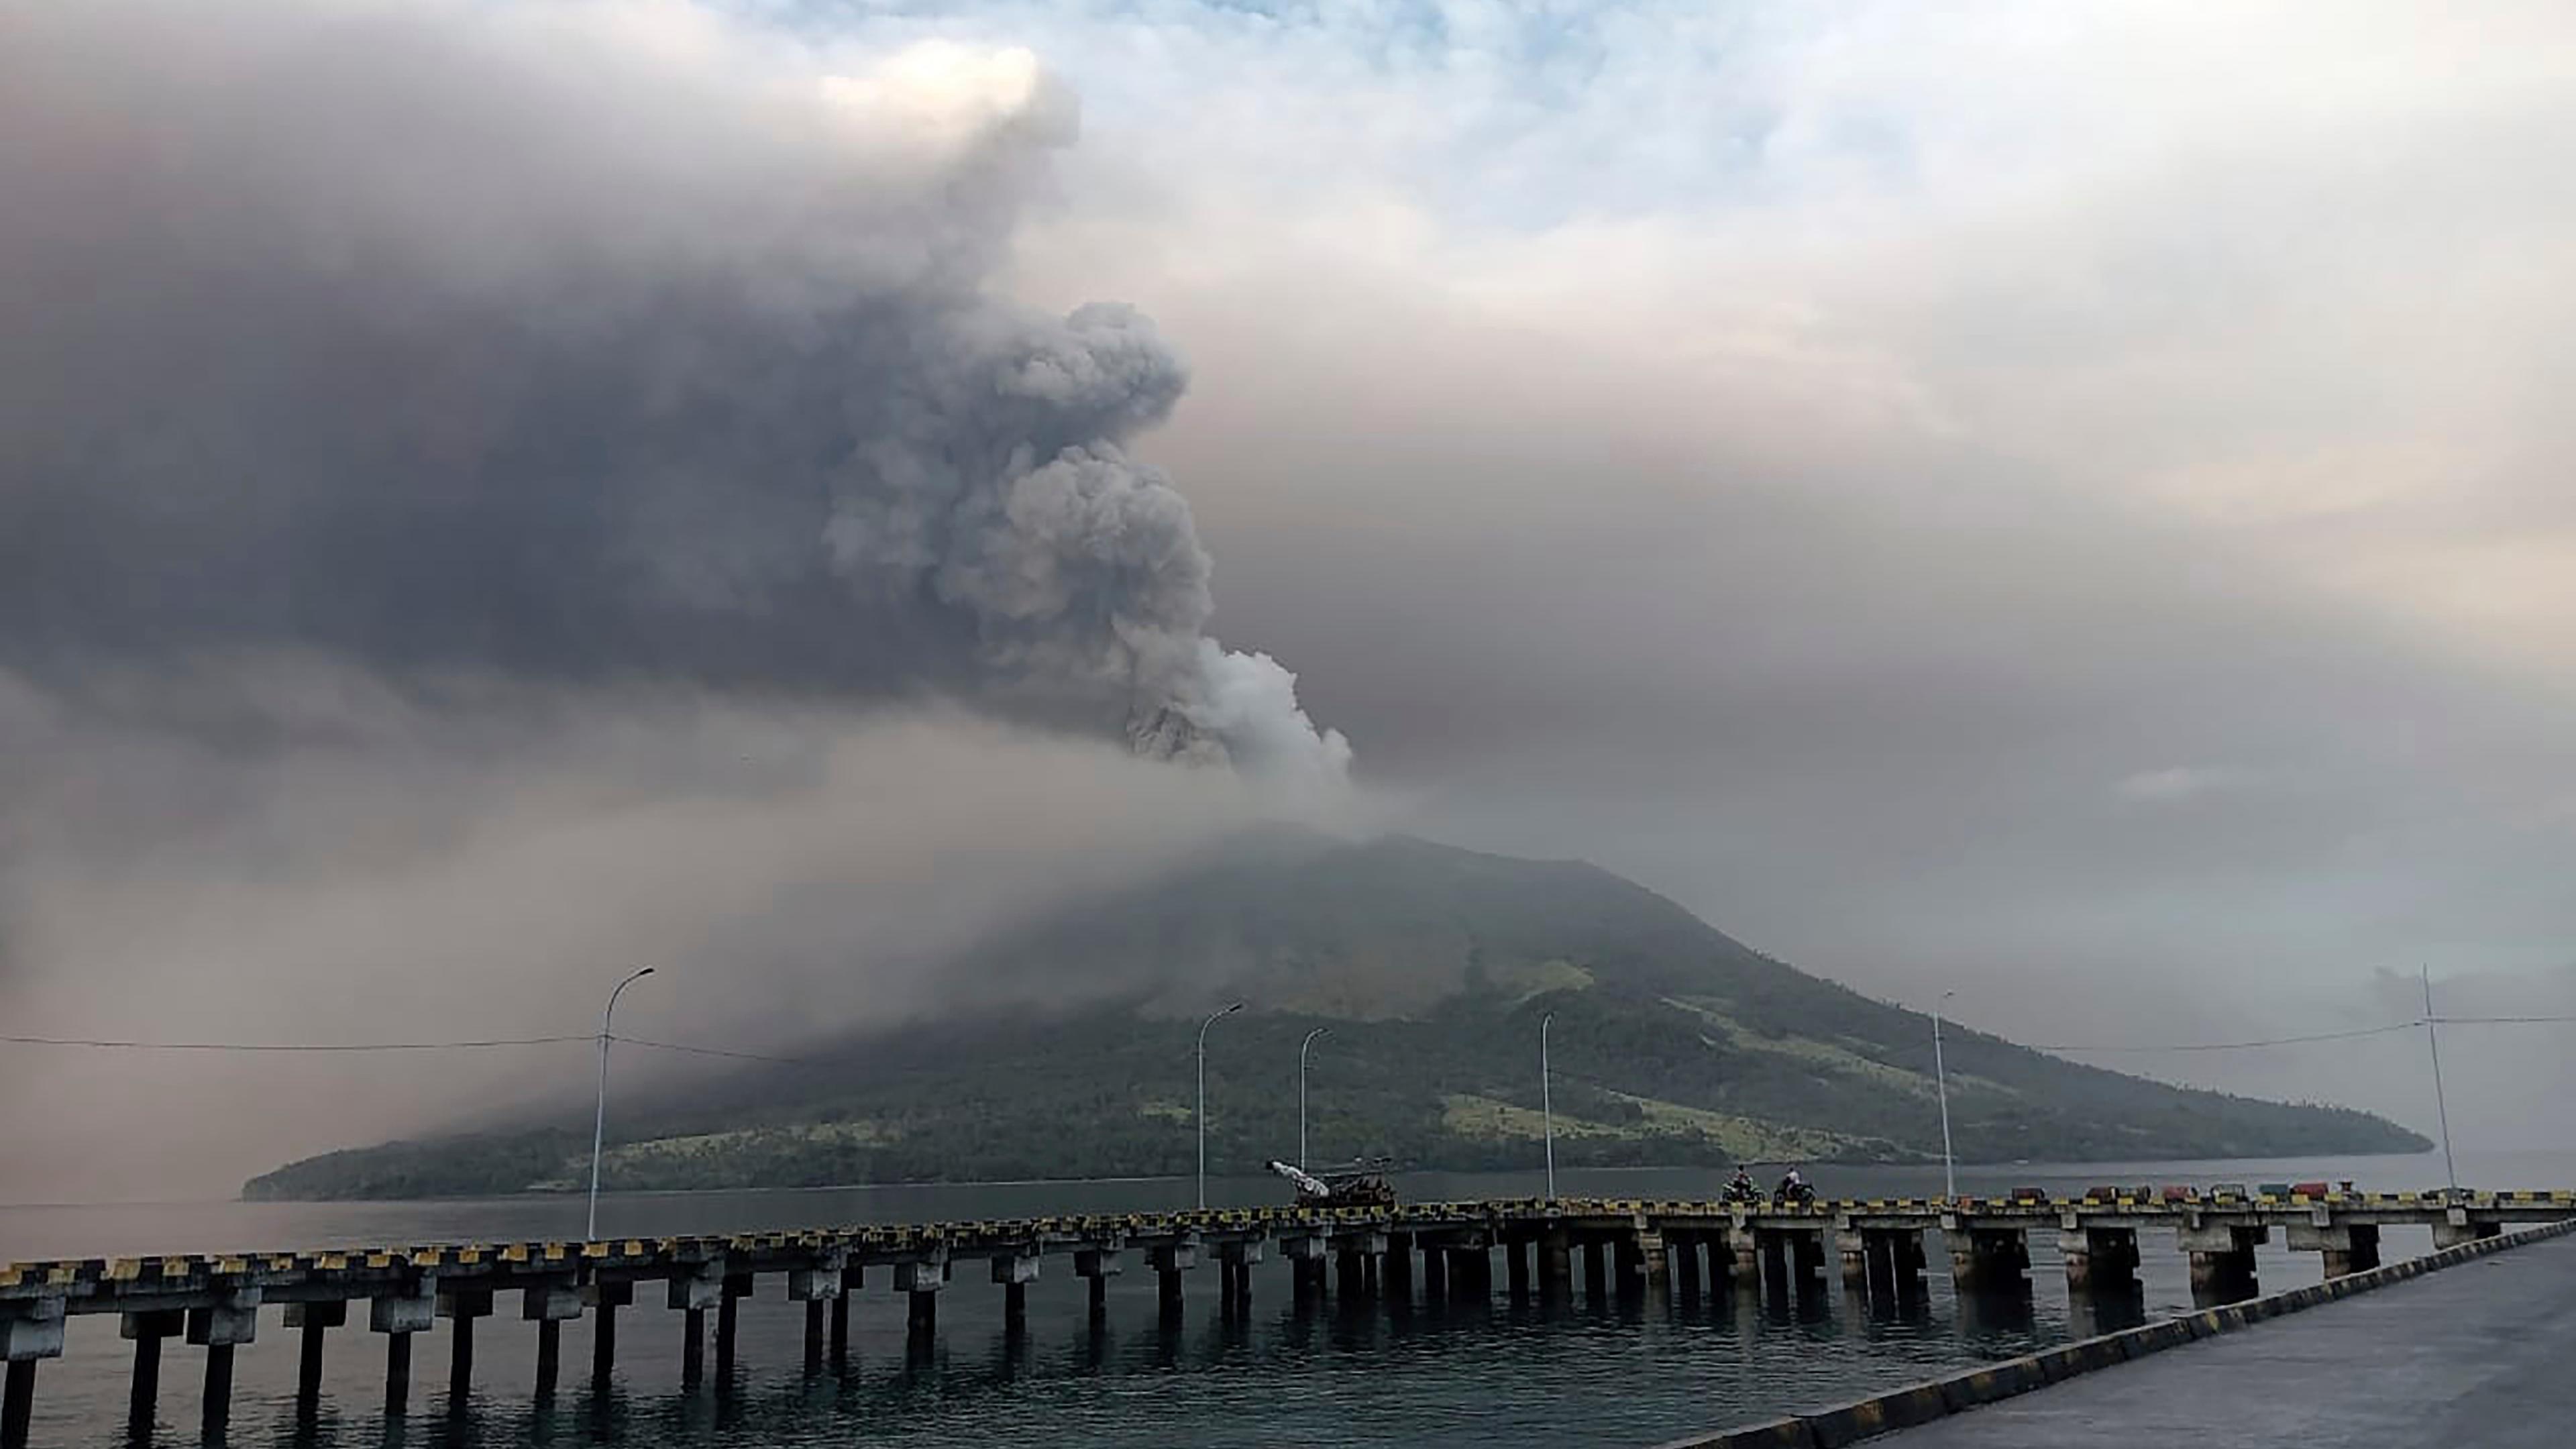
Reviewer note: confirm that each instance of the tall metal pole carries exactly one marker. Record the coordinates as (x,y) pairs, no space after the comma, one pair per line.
(2433,1044)
(1546,1107)
(599,1119)
(1202,1112)
(1301,1092)
(1941,1083)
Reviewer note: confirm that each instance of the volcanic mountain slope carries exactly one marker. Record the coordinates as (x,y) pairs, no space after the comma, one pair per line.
(1431,966)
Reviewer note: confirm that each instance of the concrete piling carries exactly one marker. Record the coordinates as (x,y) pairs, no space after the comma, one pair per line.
(460,1307)
(2222,1257)
(17,1403)
(219,1328)
(1988,1259)
(1556,1263)
(1596,1273)
(605,1298)
(2103,1260)
(311,1321)
(147,1330)
(737,1287)
(399,1317)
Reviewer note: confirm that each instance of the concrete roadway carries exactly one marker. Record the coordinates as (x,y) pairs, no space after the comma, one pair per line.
(2481,1354)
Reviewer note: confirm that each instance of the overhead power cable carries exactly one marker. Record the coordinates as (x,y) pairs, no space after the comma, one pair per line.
(672,1046)
(293,1046)
(2231,1046)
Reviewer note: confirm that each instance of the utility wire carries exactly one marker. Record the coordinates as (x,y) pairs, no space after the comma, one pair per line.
(2231,1046)
(300,1046)
(672,1046)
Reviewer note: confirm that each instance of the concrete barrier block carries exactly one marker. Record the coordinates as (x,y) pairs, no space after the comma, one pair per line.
(1789,1433)
(1991,1384)
(2156,1337)
(2082,1356)
(1899,1409)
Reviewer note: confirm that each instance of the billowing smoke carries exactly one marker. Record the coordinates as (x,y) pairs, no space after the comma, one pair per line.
(579,342)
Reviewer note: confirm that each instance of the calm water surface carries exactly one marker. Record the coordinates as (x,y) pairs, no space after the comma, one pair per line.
(1490,1376)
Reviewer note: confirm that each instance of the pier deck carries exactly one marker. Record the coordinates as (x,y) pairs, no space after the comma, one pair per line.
(2476,1355)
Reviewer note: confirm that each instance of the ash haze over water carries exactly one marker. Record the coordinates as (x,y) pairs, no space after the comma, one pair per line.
(2061,503)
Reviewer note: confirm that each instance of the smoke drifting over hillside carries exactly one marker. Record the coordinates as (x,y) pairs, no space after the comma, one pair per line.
(577,343)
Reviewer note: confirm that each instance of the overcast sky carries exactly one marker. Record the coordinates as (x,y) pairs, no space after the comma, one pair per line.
(2065,503)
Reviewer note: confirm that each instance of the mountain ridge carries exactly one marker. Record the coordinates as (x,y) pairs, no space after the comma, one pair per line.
(1430,967)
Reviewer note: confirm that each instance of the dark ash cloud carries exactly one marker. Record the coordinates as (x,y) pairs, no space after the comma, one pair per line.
(580,343)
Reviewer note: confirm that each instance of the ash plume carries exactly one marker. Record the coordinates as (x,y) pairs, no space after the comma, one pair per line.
(580,342)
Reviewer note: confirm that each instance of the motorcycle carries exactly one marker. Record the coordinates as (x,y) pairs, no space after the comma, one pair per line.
(1741,1191)
(1800,1194)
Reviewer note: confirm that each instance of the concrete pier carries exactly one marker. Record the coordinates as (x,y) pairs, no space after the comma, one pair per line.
(215,1301)
(148,1330)
(1988,1259)
(604,1299)
(2099,1259)
(2222,1256)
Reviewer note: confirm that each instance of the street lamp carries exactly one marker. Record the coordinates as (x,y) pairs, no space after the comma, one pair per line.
(1941,1083)
(599,1121)
(1202,1112)
(1546,1108)
(1301,1091)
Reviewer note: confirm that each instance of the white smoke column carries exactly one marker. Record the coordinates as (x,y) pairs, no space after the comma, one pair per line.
(580,341)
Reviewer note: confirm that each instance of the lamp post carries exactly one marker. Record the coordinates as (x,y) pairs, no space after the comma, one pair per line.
(1546,1107)
(1941,1084)
(599,1120)
(1202,1112)
(1301,1091)
(2433,1044)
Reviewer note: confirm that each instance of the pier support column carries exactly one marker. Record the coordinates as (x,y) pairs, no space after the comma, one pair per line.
(398,1319)
(1744,1254)
(1169,1261)
(1556,1264)
(1596,1272)
(817,1287)
(1988,1260)
(1628,1258)
(1685,1267)
(1435,1275)
(29,1330)
(1305,1255)
(2346,1247)
(1398,1275)
(605,1298)
(2099,1260)
(460,1307)
(1015,1272)
(220,1328)
(737,1287)
(853,1279)
(2460,1230)
(693,1294)
(2222,1258)
(311,1321)
(920,1281)
(1653,1267)
(147,1331)
(1516,1268)
(1853,1248)
(1235,1261)
(17,1403)
(1098,1266)
(547,1305)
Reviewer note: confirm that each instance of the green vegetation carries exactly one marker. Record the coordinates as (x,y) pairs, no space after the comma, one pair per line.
(1432,966)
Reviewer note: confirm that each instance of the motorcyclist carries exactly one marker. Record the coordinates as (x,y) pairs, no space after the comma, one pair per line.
(1740,1188)
(1793,1188)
